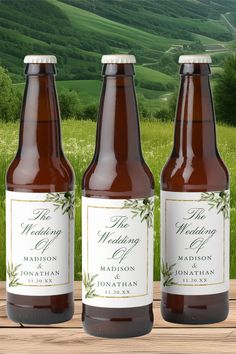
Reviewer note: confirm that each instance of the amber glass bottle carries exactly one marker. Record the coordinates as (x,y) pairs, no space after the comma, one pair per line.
(195,208)
(117,209)
(39,207)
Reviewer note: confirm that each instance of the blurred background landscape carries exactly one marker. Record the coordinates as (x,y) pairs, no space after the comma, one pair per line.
(79,32)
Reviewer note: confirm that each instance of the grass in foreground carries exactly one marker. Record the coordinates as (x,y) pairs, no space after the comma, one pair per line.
(79,138)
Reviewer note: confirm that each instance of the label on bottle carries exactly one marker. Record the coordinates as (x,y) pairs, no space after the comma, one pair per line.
(195,242)
(117,249)
(39,240)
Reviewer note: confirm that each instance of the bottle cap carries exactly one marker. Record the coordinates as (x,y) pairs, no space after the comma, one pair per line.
(118,59)
(40,59)
(195,59)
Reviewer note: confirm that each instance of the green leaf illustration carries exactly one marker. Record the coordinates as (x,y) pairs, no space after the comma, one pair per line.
(88,281)
(143,208)
(166,271)
(219,200)
(12,274)
(65,201)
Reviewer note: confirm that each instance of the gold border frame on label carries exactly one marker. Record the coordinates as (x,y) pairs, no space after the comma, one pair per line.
(69,243)
(147,283)
(196,200)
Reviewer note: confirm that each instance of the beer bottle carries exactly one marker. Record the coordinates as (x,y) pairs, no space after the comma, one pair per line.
(117,214)
(39,207)
(195,207)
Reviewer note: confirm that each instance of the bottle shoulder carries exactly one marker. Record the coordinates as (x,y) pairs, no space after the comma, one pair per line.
(133,179)
(37,174)
(193,174)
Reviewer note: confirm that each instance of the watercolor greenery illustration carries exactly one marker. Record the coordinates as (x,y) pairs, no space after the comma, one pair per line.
(64,201)
(166,271)
(12,274)
(88,281)
(220,201)
(143,208)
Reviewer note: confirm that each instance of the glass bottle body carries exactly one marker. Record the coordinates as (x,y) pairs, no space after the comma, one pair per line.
(118,171)
(40,166)
(194,166)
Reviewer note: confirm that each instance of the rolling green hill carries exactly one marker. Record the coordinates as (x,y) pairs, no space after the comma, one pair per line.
(78,32)
(172,19)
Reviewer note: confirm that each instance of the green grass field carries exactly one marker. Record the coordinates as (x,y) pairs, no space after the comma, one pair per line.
(79,138)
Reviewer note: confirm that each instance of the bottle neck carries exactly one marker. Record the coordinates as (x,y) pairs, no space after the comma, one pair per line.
(40,134)
(118,131)
(195,133)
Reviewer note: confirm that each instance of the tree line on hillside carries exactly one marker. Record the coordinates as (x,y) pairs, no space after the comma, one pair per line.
(42,27)
(165,17)
(71,107)
(45,27)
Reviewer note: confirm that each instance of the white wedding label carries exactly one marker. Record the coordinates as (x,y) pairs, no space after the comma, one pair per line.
(195,242)
(117,252)
(39,243)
